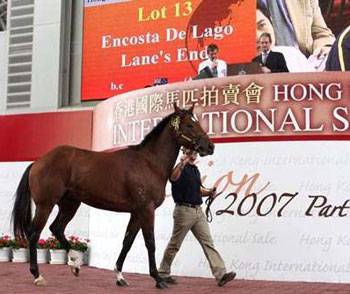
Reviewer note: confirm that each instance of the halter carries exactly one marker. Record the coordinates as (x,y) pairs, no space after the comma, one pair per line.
(175,123)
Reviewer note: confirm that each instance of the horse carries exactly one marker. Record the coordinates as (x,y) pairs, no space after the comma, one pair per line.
(129,180)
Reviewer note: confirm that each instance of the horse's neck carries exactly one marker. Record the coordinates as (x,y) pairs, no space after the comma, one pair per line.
(163,151)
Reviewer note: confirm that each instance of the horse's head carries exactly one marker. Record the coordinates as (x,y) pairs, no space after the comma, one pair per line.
(189,132)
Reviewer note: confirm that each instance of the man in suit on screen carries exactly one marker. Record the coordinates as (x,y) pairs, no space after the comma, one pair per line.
(270,61)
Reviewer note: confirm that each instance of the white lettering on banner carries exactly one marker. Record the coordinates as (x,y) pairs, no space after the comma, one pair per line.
(145,59)
(242,122)
(341,119)
(140,60)
(133,131)
(237,123)
(171,34)
(108,41)
(239,118)
(116,86)
(183,54)
(217,33)
(290,120)
(268,122)
(245,121)
(308,119)
(308,92)
(210,130)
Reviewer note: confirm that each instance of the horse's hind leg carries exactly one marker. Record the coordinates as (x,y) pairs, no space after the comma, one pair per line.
(42,213)
(130,234)
(67,209)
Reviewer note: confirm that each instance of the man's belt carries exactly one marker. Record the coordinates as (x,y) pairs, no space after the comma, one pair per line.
(187,204)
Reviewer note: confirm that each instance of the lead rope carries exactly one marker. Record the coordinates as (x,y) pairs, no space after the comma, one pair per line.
(208,212)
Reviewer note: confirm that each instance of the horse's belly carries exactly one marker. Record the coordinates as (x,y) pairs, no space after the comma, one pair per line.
(106,202)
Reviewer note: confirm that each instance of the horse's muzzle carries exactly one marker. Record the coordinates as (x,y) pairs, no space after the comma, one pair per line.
(205,147)
(211,148)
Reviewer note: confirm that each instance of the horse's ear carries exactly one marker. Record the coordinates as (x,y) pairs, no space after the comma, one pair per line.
(192,107)
(176,108)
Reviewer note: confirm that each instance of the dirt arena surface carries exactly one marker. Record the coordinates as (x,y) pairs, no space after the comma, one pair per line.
(15,278)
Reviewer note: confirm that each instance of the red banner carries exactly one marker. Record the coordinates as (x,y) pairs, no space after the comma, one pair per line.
(25,137)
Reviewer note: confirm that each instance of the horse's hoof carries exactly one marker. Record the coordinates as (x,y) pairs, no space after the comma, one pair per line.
(40,281)
(122,283)
(162,285)
(75,271)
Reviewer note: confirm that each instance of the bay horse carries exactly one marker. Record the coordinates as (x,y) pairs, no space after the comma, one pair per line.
(129,180)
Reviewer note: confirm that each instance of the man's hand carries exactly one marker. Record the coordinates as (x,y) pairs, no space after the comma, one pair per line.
(185,159)
(176,172)
(213,193)
(322,52)
(265,69)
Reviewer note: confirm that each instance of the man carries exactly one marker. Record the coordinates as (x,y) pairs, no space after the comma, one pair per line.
(300,24)
(295,59)
(339,56)
(217,67)
(188,215)
(270,61)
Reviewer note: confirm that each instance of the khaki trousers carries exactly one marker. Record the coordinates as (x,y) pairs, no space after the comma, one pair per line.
(186,219)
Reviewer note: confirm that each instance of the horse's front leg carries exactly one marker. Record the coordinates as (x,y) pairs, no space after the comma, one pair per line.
(130,235)
(147,226)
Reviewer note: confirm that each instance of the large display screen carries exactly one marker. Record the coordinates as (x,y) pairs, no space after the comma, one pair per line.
(130,44)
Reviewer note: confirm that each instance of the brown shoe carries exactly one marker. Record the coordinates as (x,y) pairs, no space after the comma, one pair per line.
(226,278)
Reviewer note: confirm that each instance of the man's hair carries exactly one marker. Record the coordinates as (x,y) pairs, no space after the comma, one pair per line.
(266,35)
(212,47)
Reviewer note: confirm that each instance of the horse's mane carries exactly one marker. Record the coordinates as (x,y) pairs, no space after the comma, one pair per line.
(154,133)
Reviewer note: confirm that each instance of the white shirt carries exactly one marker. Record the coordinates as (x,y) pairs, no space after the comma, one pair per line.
(222,67)
(264,56)
(295,59)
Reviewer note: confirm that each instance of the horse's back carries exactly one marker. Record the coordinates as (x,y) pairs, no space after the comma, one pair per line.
(102,179)
(58,158)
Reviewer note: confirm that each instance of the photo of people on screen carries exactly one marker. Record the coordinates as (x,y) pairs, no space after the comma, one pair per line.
(298,31)
(213,66)
(270,61)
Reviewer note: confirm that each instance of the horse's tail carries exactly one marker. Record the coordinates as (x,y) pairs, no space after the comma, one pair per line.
(22,211)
